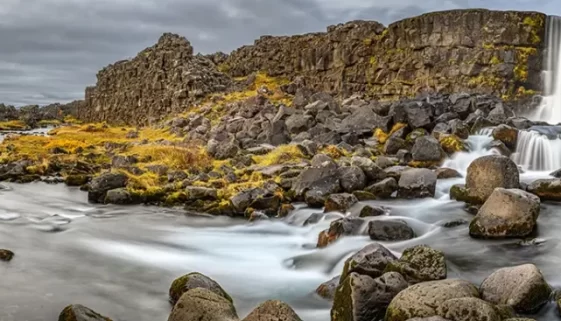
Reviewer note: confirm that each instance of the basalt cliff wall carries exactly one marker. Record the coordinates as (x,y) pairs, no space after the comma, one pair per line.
(474,51)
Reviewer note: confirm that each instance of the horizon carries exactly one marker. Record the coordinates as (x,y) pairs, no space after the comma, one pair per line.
(49,58)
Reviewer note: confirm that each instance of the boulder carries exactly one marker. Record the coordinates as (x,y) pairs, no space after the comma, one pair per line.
(384,188)
(459,128)
(422,300)
(203,305)
(77,312)
(327,289)
(507,135)
(201,193)
(546,189)
(298,123)
(444,173)
(521,287)
(468,309)
(372,171)
(419,114)
(340,202)
(273,310)
(371,260)
(258,199)
(420,264)
(352,178)
(120,196)
(365,210)
(315,184)
(427,149)
(100,185)
(489,172)
(364,120)
(322,160)
(435,318)
(192,281)
(506,213)
(344,227)
(76,180)
(385,230)
(6,255)
(362,298)
(393,145)
(417,183)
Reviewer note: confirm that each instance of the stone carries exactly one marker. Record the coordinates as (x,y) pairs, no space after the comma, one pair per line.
(273,310)
(422,300)
(258,199)
(100,185)
(489,172)
(119,196)
(340,202)
(316,184)
(365,210)
(420,264)
(364,120)
(201,193)
(298,123)
(371,260)
(203,305)
(445,173)
(468,309)
(546,189)
(192,281)
(352,178)
(327,289)
(343,227)
(77,312)
(76,180)
(418,114)
(435,318)
(507,135)
(385,230)
(362,298)
(393,145)
(521,287)
(417,183)
(120,161)
(427,149)
(384,188)
(506,213)
(6,255)
(384,162)
(459,128)
(372,171)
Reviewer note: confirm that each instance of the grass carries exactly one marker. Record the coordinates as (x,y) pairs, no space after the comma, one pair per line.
(12,125)
(284,154)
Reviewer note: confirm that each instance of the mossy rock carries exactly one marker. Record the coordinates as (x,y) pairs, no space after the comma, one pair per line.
(203,304)
(459,192)
(452,144)
(419,264)
(195,280)
(77,312)
(6,255)
(273,310)
(76,180)
(412,136)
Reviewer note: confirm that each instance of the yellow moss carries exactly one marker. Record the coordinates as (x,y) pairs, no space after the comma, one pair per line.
(522,56)
(535,23)
(69,119)
(174,157)
(382,136)
(373,61)
(284,154)
(488,46)
(495,60)
(51,122)
(451,143)
(423,164)
(12,125)
(523,92)
(334,152)
(367,41)
(146,181)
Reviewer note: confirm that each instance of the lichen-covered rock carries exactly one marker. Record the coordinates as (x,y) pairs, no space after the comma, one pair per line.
(521,287)
(420,264)
(506,213)
(100,185)
(344,227)
(203,305)
(273,310)
(468,309)
(489,172)
(6,255)
(362,298)
(417,183)
(507,135)
(384,188)
(77,312)
(340,202)
(370,260)
(546,189)
(192,281)
(352,178)
(385,230)
(423,299)
(327,289)
(427,149)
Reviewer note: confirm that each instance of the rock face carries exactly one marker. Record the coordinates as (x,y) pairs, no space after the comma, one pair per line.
(159,81)
(506,213)
(522,287)
(204,305)
(273,310)
(489,172)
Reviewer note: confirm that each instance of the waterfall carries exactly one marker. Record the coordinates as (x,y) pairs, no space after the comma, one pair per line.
(550,108)
(478,146)
(537,152)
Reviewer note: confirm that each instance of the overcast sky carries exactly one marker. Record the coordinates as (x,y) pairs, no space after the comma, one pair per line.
(51,49)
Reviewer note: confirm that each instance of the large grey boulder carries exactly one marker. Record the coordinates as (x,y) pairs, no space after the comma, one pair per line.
(362,298)
(371,260)
(506,213)
(386,230)
(489,172)
(521,287)
(273,310)
(468,309)
(364,120)
(384,188)
(427,149)
(340,202)
(420,264)
(100,185)
(417,183)
(352,178)
(347,226)
(203,305)
(315,184)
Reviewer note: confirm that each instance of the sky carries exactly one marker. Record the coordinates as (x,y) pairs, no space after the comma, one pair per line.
(50,50)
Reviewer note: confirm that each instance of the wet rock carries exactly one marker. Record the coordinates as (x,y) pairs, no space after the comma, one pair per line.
(6,255)
(203,305)
(77,312)
(459,128)
(371,260)
(192,281)
(435,318)
(340,202)
(427,149)
(506,213)
(444,173)
(420,264)
(372,171)
(365,210)
(404,156)
(364,196)
(546,189)
(256,216)
(352,178)
(316,184)
(385,230)
(100,185)
(119,196)
(521,287)
(258,199)
(314,218)
(327,289)
(417,183)
(556,174)
(201,193)
(468,309)
(76,180)
(393,145)
(273,310)
(422,300)
(489,172)
(507,135)
(344,227)
(384,188)
(362,298)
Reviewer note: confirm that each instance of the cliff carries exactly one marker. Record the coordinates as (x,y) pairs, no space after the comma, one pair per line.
(474,51)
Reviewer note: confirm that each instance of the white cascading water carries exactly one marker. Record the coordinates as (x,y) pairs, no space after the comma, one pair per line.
(550,109)
(478,147)
(536,152)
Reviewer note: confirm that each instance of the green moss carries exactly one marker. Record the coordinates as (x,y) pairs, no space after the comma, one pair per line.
(343,308)
(535,23)
(76,180)
(495,60)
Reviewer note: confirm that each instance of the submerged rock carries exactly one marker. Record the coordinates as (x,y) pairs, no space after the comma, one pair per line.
(365,210)
(100,185)
(420,264)
(521,287)
(192,281)
(273,310)
(6,255)
(340,202)
(546,189)
(385,230)
(417,183)
(506,213)
(77,312)
(204,305)
(327,289)
(489,172)
(343,227)
(362,298)
(371,260)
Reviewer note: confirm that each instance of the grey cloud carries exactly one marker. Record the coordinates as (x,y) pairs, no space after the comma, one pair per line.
(51,49)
